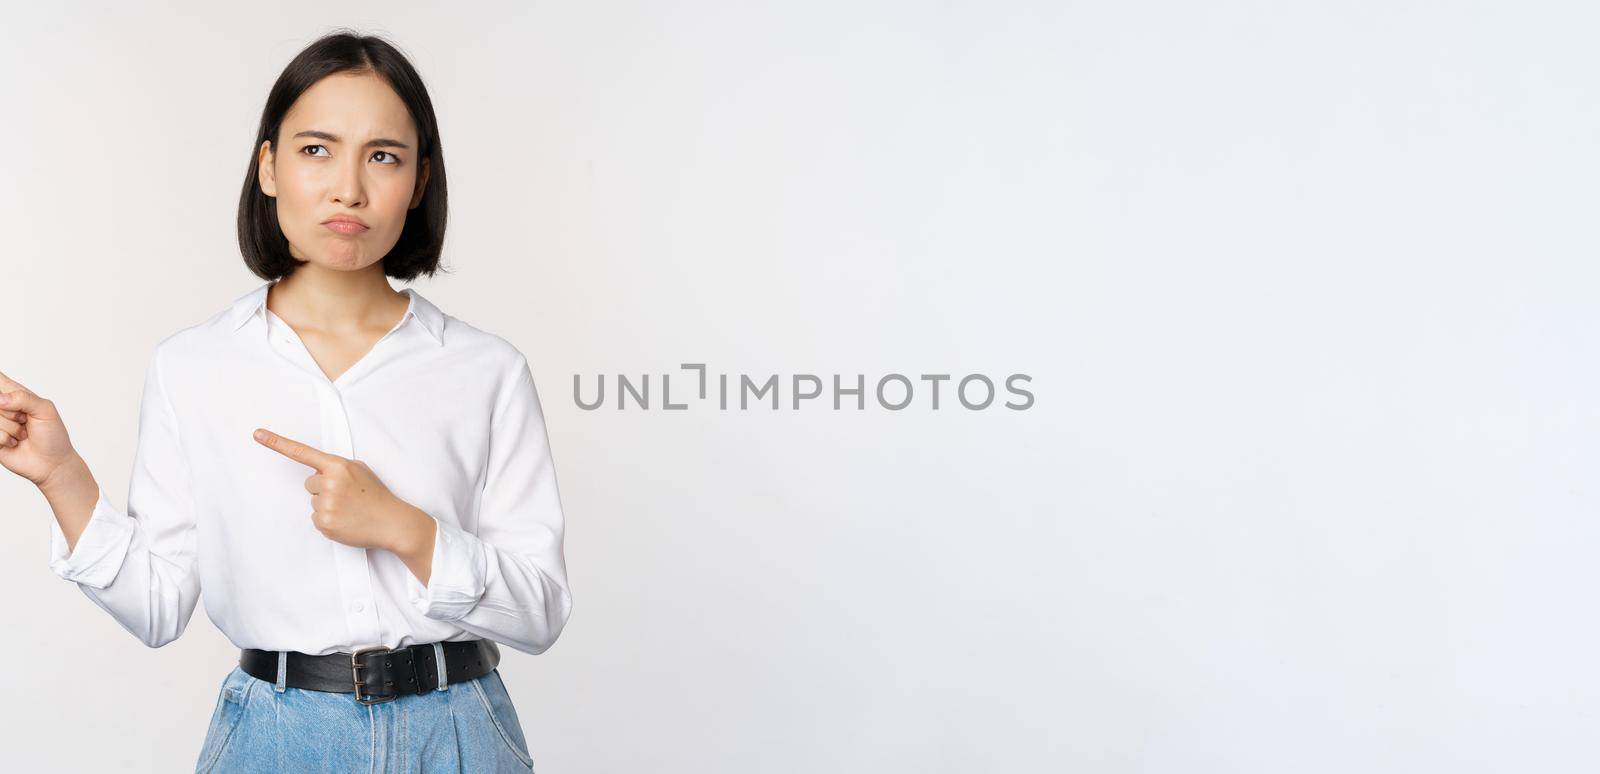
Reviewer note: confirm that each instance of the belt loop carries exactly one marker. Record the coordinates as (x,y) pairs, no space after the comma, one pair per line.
(438,658)
(283,672)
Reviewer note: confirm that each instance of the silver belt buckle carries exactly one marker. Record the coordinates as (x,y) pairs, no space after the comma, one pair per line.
(355,674)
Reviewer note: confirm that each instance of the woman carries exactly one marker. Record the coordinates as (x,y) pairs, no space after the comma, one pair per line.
(361,483)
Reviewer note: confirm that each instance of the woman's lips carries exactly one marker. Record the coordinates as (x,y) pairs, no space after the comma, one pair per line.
(345,227)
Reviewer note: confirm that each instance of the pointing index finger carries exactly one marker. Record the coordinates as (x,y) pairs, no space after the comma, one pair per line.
(295,450)
(7,384)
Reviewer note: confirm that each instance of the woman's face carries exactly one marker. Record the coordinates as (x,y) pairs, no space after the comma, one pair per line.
(346,148)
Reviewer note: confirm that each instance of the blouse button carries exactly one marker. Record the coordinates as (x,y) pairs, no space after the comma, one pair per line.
(358,606)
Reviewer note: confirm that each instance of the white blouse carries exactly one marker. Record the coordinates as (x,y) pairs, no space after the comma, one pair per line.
(445,414)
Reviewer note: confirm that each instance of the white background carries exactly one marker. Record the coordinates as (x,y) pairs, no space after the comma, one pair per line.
(1307,293)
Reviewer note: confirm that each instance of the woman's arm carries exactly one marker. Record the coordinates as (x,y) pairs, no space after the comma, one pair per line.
(72,493)
(35,445)
(139,564)
(507,580)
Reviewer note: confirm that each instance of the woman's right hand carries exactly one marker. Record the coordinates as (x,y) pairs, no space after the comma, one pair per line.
(33,439)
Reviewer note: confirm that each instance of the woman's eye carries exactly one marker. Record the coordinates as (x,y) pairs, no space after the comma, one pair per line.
(395,159)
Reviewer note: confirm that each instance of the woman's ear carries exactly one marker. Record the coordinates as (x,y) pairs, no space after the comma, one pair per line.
(422,186)
(264,173)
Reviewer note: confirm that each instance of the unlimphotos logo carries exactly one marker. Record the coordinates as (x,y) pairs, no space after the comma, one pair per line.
(894,392)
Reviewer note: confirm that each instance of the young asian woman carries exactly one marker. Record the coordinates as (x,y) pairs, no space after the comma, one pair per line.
(360,483)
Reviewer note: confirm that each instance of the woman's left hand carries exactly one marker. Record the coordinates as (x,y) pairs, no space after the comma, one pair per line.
(348,502)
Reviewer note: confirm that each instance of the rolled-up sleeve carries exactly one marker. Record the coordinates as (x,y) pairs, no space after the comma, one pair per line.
(101,548)
(506,580)
(139,564)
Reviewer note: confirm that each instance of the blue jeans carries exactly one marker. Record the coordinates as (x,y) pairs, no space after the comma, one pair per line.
(466,727)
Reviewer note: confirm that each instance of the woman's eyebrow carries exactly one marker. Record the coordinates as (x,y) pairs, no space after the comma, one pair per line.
(381,142)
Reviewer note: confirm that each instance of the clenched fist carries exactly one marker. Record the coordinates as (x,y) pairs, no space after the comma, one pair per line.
(348,502)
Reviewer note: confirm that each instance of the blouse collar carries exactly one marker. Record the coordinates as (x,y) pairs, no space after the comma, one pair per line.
(252,305)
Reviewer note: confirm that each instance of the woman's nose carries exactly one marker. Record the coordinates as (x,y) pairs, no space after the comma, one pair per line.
(349,189)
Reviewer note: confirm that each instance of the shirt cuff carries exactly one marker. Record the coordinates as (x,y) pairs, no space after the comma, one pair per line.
(457,577)
(100,551)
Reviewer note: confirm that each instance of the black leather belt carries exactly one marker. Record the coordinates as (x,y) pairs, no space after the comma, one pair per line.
(375,674)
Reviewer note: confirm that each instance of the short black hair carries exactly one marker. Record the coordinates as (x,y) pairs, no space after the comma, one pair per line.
(261,239)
